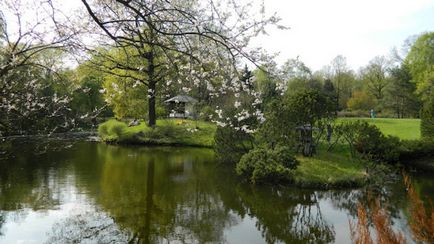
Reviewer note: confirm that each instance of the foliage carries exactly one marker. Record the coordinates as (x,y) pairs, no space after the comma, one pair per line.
(371,143)
(353,114)
(206,113)
(368,141)
(329,89)
(400,93)
(180,38)
(414,149)
(125,100)
(360,101)
(295,69)
(420,61)
(174,132)
(405,129)
(278,128)
(111,130)
(427,120)
(299,85)
(231,144)
(309,107)
(265,83)
(263,165)
(34,95)
(342,77)
(376,77)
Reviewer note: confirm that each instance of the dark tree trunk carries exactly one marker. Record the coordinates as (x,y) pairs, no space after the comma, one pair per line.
(151,103)
(149,202)
(151,89)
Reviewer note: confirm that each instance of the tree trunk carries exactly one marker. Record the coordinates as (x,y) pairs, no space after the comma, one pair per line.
(151,89)
(151,103)
(149,202)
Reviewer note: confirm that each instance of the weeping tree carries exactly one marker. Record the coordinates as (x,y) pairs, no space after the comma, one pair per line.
(175,37)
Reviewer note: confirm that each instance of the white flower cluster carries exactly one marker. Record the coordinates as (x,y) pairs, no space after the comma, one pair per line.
(192,130)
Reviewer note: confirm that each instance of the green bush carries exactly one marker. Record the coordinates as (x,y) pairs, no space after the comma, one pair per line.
(427,120)
(111,130)
(372,144)
(163,132)
(414,149)
(262,165)
(102,130)
(116,129)
(353,114)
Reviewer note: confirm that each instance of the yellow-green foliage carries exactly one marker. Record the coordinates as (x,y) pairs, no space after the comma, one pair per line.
(125,98)
(166,132)
(427,123)
(111,130)
(360,101)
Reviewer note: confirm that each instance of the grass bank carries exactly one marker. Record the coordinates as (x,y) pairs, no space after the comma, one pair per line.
(325,170)
(167,132)
(330,170)
(338,169)
(404,129)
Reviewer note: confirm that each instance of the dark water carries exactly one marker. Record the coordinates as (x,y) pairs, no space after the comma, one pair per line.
(95,193)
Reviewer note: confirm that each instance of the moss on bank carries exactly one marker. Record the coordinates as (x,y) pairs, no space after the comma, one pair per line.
(168,132)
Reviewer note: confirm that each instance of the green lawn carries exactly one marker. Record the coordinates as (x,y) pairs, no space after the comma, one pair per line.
(405,129)
(166,132)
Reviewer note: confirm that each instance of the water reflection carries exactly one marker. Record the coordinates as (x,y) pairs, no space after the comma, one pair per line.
(287,216)
(87,227)
(162,194)
(153,195)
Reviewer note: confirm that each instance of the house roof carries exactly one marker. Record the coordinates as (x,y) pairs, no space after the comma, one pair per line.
(181,99)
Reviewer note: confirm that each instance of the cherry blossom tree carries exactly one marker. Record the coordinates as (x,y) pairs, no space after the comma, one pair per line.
(209,37)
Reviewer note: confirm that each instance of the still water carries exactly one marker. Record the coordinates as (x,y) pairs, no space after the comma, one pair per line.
(90,192)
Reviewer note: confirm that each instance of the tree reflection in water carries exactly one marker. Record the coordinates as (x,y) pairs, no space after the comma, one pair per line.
(2,221)
(287,216)
(162,194)
(148,195)
(87,227)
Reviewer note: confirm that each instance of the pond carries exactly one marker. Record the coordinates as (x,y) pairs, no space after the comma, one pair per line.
(90,192)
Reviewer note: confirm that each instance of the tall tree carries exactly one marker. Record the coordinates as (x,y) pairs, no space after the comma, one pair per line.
(420,61)
(400,94)
(376,78)
(176,30)
(341,77)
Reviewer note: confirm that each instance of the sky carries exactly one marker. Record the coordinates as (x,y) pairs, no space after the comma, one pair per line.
(322,29)
(357,29)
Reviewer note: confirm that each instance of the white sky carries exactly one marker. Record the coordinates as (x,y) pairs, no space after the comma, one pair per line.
(359,30)
(322,29)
